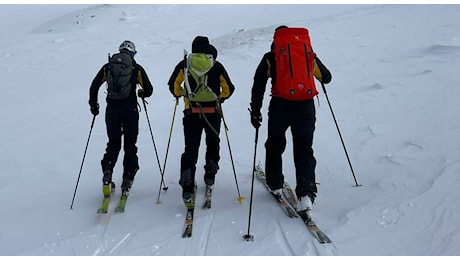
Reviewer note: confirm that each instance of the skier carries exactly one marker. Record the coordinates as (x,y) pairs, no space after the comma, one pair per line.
(121,118)
(282,114)
(199,116)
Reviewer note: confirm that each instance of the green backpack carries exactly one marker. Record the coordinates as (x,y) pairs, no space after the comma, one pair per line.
(198,65)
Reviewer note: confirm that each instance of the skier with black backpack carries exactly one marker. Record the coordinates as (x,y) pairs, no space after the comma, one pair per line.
(292,66)
(122,75)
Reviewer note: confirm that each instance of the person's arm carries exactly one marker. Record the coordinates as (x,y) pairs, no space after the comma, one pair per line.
(260,82)
(98,80)
(321,72)
(144,81)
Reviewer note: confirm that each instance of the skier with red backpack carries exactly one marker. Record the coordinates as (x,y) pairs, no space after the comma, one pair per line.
(292,66)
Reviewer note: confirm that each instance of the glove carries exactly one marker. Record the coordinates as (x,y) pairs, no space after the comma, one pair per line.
(140,93)
(94,109)
(256,119)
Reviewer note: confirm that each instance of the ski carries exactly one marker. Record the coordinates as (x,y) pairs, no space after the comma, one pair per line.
(290,198)
(307,220)
(190,205)
(122,203)
(104,205)
(282,201)
(188,222)
(207,197)
(107,190)
(313,228)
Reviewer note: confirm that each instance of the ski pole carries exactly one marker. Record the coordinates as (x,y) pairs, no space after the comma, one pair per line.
(167,149)
(340,135)
(248,236)
(83,160)
(153,140)
(240,198)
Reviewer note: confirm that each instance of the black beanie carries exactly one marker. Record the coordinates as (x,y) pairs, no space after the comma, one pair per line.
(280,27)
(213,51)
(200,44)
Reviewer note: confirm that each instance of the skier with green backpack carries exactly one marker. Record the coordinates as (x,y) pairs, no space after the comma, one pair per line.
(204,84)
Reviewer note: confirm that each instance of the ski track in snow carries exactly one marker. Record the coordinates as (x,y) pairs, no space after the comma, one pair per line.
(282,239)
(123,242)
(395,101)
(207,232)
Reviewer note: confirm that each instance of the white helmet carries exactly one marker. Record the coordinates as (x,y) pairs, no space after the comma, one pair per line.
(128,45)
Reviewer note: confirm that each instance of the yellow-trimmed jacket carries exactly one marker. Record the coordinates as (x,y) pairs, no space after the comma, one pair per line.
(218,81)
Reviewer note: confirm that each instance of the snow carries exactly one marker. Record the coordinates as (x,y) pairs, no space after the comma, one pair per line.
(394,93)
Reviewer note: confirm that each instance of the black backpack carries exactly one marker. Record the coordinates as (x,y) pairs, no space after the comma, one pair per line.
(119,71)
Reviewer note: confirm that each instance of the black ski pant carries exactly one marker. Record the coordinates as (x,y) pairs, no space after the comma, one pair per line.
(300,117)
(122,119)
(194,124)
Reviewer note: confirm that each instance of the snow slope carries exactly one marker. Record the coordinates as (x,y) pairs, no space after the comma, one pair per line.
(394,92)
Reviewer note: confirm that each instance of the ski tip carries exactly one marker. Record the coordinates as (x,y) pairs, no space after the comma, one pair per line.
(119,210)
(101,211)
(240,199)
(206,205)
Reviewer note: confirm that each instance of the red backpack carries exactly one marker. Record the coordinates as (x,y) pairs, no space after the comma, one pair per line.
(294,65)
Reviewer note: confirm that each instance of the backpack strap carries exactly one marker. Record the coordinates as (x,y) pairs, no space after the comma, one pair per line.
(187,84)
